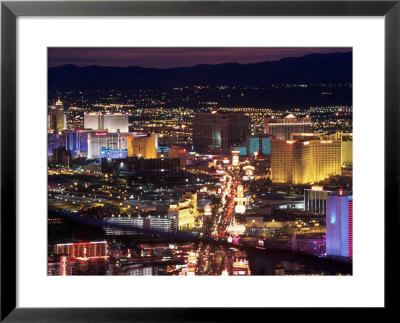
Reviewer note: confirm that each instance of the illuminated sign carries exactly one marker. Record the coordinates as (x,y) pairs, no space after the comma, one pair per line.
(63,266)
(236,229)
(249,170)
(249,167)
(240,209)
(326,141)
(235,158)
(207,210)
(317,188)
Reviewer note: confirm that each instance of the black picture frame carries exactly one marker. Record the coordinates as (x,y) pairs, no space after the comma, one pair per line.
(10,10)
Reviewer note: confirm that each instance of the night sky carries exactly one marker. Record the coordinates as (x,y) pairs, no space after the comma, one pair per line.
(165,57)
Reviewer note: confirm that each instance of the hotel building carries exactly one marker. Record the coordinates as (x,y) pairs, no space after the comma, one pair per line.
(83,250)
(185,211)
(282,129)
(216,130)
(104,139)
(158,223)
(303,162)
(315,200)
(111,122)
(57,119)
(347,146)
(143,146)
(260,144)
(339,225)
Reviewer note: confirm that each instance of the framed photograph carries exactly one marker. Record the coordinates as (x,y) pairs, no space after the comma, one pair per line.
(219,141)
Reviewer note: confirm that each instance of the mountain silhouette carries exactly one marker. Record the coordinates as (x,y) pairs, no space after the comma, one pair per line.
(312,68)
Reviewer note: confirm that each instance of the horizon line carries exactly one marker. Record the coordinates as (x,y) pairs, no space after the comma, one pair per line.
(200,64)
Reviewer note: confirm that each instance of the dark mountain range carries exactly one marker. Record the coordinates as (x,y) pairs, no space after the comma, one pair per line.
(313,68)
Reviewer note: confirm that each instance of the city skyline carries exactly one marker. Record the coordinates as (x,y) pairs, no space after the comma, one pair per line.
(223,170)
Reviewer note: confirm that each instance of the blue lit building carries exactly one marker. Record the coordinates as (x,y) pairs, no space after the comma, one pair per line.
(242,150)
(77,141)
(162,150)
(339,225)
(113,153)
(74,140)
(256,143)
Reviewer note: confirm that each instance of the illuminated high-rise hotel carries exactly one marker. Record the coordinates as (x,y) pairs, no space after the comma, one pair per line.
(103,139)
(282,129)
(347,146)
(219,130)
(339,225)
(291,162)
(143,146)
(111,122)
(304,162)
(136,144)
(83,250)
(57,119)
(345,138)
(185,211)
(259,144)
(315,199)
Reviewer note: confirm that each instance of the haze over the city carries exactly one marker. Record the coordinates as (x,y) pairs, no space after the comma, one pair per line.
(176,56)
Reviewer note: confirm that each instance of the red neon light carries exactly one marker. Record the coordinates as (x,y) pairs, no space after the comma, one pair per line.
(350,229)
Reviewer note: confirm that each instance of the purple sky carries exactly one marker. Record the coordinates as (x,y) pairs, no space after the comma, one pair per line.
(175,57)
